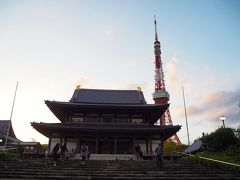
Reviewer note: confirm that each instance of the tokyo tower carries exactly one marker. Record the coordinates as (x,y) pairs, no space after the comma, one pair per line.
(160,95)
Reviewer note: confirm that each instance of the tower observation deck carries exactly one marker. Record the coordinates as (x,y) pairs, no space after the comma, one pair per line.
(160,95)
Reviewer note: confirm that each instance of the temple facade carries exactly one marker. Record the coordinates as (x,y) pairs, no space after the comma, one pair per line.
(108,121)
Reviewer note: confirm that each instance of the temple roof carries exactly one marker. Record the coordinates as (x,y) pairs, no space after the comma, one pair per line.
(3,131)
(4,128)
(103,96)
(62,109)
(86,129)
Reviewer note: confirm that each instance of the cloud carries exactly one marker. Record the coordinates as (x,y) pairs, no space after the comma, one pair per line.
(214,104)
(206,97)
(146,88)
(222,98)
(193,110)
(84,81)
(174,77)
(131,63)
(108,32)
(210,80)
(143,86)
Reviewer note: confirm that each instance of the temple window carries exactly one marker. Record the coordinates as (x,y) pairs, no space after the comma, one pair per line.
(107,118)
(122,119)
(137,119)
(78,117)
(92,118)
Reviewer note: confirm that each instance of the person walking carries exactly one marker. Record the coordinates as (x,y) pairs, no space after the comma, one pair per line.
(64,151)
(158,152)
(56,153)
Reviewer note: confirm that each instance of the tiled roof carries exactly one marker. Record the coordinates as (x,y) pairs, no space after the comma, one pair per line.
(63,109)
(3,125)
(76,129)
(108,96)
(3,131)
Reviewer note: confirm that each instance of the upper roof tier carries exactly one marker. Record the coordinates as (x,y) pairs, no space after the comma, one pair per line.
(101,96)
(116,102)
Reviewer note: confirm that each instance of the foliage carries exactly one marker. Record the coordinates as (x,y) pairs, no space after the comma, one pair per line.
(8,154)
(43,147)
(171,146)
(234,149)
(220,140)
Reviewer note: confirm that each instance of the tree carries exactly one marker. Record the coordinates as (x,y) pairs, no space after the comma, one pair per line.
(171,146)
(220,140)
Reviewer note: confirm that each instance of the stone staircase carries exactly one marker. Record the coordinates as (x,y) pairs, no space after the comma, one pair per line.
(108,157)
(109,169)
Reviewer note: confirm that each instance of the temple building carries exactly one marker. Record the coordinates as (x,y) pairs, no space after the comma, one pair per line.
(108,121)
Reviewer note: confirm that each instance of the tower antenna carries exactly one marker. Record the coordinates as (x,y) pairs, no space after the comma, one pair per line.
(160,95)
(155,23)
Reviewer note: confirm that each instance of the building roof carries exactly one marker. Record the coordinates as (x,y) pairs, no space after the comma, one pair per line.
(3,132)
(63,109)
(71,130)
(102,96)
(4,128)
(196,146)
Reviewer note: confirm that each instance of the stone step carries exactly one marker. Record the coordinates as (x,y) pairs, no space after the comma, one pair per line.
(108,157)
(105,169)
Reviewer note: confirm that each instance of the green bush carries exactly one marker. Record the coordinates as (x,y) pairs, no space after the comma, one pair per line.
(171,146)
(220,140)
(7,154)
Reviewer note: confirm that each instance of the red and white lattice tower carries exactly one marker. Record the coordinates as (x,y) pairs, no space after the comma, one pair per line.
(161,96)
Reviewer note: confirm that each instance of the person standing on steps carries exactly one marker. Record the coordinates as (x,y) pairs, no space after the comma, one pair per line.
(56,153)
(84,152)
(64,152)
(159,153)
(138,152)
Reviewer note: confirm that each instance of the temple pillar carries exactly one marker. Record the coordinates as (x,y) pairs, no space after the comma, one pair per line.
(147,147)
(96,145)
(115,145)
(150,145)
(49,144)
(133,145)
(77,150)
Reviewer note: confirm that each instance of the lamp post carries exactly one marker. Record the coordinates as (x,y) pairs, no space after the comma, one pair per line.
(223,118)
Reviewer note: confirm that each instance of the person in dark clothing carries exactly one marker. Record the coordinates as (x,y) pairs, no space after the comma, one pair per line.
(84,152)
(56,153)
(158,152)
(64,151)
(138,152)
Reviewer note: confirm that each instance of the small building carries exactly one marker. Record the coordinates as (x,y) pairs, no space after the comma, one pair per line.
(31,150)
(107,121)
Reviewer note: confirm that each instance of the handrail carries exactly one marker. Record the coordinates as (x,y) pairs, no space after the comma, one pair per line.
(223,162)
(209,159)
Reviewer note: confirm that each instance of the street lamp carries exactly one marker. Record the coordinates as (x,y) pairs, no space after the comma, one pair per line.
(223,118)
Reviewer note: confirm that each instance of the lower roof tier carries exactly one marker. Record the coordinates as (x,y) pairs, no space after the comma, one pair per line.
(75,130)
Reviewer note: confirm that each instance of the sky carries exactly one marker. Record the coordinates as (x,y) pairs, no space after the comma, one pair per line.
(50,47)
